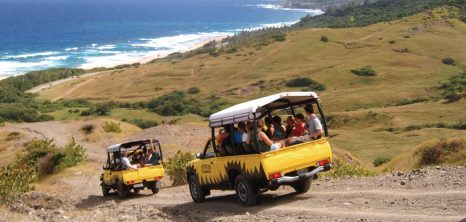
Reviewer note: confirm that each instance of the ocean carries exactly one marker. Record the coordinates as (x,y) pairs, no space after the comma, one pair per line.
(43,34)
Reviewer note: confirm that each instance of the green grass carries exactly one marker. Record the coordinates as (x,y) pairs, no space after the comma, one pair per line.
(123,113)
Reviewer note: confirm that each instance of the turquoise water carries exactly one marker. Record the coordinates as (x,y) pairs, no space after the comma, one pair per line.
(42,34)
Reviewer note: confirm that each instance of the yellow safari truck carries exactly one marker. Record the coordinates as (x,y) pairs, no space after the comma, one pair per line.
(251,169)
(121,179)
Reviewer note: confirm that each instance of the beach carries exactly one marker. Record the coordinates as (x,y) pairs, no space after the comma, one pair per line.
(159,56)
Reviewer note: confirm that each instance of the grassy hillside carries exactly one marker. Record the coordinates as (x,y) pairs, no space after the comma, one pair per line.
(405,54)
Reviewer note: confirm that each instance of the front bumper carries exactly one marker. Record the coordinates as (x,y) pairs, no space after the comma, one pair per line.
(288,179)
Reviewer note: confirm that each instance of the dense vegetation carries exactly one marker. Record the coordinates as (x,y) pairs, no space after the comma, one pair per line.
(317,4)
(40,158)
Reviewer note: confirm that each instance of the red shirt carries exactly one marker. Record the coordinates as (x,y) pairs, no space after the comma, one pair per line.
(298,129)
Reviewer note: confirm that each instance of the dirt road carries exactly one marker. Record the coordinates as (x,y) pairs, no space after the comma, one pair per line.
(435,193)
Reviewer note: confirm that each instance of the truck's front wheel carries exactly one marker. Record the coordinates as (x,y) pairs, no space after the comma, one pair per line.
(195,189)
(245,192)
(303,186)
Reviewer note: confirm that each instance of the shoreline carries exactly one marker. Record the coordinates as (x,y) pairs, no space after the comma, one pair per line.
(149,57)
(160,56)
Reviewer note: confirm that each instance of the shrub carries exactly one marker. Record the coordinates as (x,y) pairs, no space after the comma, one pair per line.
(14,136)
(391,42)
(324,38)
(193,90)
(111,127)
(365,71)
(451,96)
(442,152)
(305,82)
(176,167)
(74,154)
(343,168)
(279,37)
(88,129)
(16,179)
(381,160)
(143,124)
(42,158)
(448,61)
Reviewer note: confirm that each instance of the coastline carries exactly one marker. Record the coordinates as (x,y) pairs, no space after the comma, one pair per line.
(160,56)
(151,57)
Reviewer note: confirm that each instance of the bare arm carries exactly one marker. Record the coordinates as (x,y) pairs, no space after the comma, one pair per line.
(265,138)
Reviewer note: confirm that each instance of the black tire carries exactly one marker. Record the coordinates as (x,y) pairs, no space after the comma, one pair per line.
(246,193)
(122,190)
(303,186)
(197,193)
(105,190)
(136,190)
(155,190)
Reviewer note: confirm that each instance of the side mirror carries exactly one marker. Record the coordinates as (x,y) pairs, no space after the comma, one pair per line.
(198,155)
(103,167)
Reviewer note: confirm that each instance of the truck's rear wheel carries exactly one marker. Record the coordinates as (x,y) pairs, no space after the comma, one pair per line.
(303,186)
(245,192)
(197,193)
(155,190)
(122,190)
(105,190)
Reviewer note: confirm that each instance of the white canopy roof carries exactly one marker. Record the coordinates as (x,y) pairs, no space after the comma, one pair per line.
(131,145)
(244,111)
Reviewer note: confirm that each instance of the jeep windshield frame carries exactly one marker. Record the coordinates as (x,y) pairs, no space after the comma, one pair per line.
(131,148)
(259,108)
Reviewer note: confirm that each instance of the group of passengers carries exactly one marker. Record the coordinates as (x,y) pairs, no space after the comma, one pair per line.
(272,134)
(147,158)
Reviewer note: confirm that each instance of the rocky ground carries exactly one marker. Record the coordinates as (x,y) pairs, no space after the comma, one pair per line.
(429,194)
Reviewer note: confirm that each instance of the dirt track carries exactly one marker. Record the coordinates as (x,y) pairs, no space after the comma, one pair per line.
(430,194)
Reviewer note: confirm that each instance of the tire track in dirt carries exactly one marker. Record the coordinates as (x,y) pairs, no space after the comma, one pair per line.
(72,89)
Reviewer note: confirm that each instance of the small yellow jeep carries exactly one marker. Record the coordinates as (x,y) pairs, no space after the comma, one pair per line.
(118,177)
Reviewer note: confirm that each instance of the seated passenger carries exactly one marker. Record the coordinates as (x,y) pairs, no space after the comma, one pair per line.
(265,142)
(299,126)
(125,162)
(225,147)
(145,156)
(280,130)
(221,136)
(290,123)
(269,127)
(313,128)
(240,138)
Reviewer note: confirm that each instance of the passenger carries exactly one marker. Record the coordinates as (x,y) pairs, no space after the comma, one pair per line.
(290,123)
(226,144)
(241,135)
(270,129)
(154,155)
(299,126)
(145,156)
(264,140)
(125,162)
(313,128)
(249,128)
(280,130)
(221,136)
